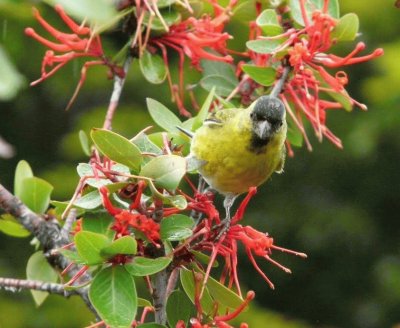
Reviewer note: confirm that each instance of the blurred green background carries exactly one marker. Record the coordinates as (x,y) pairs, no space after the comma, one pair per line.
(340,207)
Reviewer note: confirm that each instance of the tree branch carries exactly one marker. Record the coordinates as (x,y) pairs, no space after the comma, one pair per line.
(49,234)
(116,93)
(277,89)
(52,288)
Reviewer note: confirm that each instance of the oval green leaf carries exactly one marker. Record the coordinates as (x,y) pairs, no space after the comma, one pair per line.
(178,308)
(84,140)
(22,171)
(35,193)
(39,269)
(347,28)
(126,245)
(187,281)
(153,67)
(223,295)
(176,227)
(89,201)
(269,23)
(94,11)
(166,171)
(311,6)
(89,246)
(143,266)
(162,116)
(117,148)
(11,81)
(113,294)
(223,86)
(263,46)
(10,226)
(260,74)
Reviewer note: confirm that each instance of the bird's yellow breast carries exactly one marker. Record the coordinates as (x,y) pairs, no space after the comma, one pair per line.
(232,165)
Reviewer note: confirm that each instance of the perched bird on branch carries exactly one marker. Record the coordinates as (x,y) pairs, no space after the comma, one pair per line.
(239,148)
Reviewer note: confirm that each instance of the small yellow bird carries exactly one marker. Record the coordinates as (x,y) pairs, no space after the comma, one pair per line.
(240,148)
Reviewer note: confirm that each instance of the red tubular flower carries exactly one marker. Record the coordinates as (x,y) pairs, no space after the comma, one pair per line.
(70,46)
(308,54)
(125,220)
(191,37)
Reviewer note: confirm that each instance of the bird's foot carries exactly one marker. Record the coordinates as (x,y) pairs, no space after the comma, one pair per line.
(222,228)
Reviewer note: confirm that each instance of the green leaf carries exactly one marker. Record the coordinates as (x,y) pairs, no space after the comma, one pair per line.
(263,46)
(35,194)
(219,68)
(311,6)
(90,200)
(84,140)
(143,302)
(245,12)
(201,116)
(203,258)
(153,67)
(295,137)
(177,139)
(99,222)
(151,325)
(169,16)
(223,86)
(177,201)
(222,294)
(187,281)
(94,11)
(85,170)
(260,74)
(178,308)
(117,148)
(11,81)
(176,227)
(145,145)
(166,170)
(113,294)
(22,171)
(10,226)
(162,116)
(269,23)
(165,3)
(125,245)
(89,246)
(219,75)
(71,255)
(39,269)
(347,28)
(143,266)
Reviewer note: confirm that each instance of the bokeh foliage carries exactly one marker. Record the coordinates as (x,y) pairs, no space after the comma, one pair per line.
(340,207)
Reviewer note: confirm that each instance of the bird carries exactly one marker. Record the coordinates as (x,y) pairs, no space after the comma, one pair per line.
(239,148)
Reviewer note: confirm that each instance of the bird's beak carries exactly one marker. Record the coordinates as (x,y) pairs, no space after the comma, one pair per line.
(263,129)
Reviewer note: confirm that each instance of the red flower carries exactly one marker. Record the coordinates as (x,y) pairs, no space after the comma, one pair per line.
(125,220)
(308,55)
(70,46)
(191,37)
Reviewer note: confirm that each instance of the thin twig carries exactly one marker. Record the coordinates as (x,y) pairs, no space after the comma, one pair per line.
(116,93)
(280,83)
(69,221)
(14,285)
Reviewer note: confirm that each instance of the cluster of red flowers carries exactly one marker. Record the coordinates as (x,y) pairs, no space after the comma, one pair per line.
(308,55)
(80,43)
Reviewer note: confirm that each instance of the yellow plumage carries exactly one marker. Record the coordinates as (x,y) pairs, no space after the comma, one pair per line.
(232,156)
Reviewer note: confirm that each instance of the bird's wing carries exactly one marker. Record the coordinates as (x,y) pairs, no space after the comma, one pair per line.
(280,166)
(219,117)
